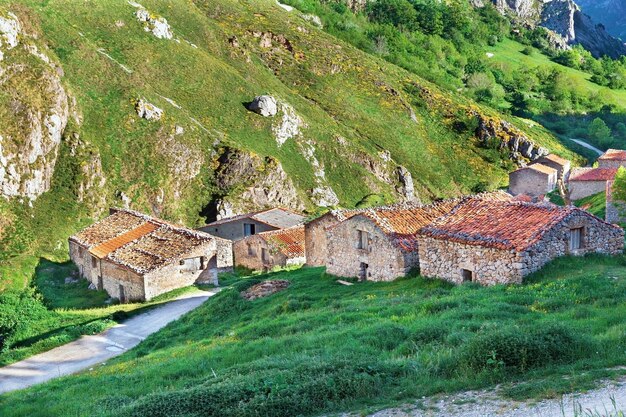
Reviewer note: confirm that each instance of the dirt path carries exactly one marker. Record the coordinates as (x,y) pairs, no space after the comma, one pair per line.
(91,350)
(604,401)
(586,145)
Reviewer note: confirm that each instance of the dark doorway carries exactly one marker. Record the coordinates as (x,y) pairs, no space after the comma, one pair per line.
(100,283)
(122,295)
(363,271)
(468,276)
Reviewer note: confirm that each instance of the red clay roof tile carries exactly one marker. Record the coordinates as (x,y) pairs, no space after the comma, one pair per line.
(593,174)
(614,155)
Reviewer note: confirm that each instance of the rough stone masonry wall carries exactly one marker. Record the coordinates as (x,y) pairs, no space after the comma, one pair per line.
(82,259)
(582,189)
(607,163)
(385,261)
(114,276)
(254,260)
(316,239)
(224,249)
(173,276)
(531,182)
(445,259)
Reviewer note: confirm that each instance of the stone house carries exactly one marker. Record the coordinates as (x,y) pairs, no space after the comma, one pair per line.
(135,257)
(584,182)
(379,244)
(267,250)
(238,227)
(613,158)
(495,242)
(561,165)
(534,180)
(316,235)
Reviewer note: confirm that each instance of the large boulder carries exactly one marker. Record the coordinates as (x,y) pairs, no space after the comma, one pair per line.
(266,106)
(148,111)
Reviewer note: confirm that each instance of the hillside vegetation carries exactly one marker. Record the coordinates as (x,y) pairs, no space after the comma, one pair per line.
(320,347)
(360,120)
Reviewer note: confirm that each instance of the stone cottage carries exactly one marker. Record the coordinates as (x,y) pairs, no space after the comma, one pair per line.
(561,165)
(135,257)
(534,180)
(267,250)
(379,244)
(316,235)
(613,158)
(238,227)
(584,182)
(495,242)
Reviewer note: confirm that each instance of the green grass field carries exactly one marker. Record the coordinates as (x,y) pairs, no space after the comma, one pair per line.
(321,347)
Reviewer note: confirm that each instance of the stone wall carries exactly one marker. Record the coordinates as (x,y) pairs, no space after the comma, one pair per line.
(384,260)
(249,254)
(561,170)
(607,163)
(174,276)
(85,263)
(582,189)
(316,239)
(446,260)
(489,266)
(115,277)
(234,230)
(530,182)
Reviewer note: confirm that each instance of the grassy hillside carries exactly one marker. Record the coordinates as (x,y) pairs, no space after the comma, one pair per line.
(354,106)
(322,347)
(508,55)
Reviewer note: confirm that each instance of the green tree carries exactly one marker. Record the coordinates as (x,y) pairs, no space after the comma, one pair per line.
(599,132)
(619,185)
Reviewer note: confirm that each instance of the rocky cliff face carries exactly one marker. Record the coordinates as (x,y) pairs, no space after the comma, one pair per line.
(612,14)
(33,115)
(564,18)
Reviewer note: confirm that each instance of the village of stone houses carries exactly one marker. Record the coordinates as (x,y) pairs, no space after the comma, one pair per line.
(302,208)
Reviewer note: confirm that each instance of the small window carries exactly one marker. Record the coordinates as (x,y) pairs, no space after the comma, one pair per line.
(363,240)
(94,262)
(249,229)
(576,238)
(251,251)
(467,275)
(265,255)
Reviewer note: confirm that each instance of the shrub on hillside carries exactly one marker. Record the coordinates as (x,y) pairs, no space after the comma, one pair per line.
(519,350)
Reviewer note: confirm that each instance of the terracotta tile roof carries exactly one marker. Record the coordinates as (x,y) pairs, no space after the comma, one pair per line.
(401,222)
(139,242)
(614,155)
(502,225)
(290,241)
(275,217)
(110,245)
(554,158)
(593,174)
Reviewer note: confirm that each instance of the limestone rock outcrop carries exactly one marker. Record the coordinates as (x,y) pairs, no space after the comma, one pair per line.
(157,25)
(148,111)
(565,19)
(33,116)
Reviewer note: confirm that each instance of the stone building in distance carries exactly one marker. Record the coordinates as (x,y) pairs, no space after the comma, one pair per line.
(495,242)
(561,165)
(584,182)
(534,180)
(135,257)
(266,250)
(613,158)
(379,244)
(238,227)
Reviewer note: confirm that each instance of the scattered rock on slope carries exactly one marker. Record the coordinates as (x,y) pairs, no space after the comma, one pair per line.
(264,105)
(148,111)
(265,289)
(289,125)
(157,25)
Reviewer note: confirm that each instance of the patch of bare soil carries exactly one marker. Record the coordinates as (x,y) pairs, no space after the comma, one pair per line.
(264,289)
